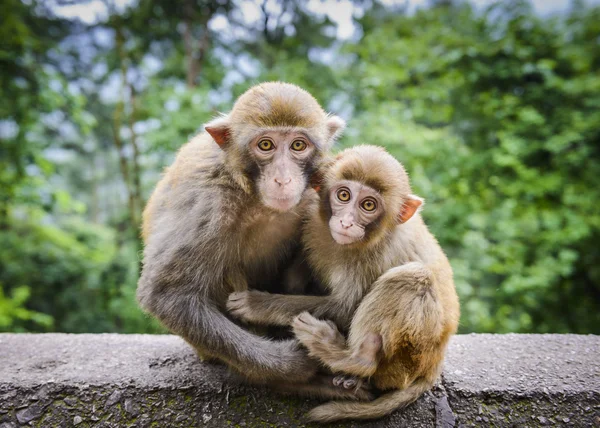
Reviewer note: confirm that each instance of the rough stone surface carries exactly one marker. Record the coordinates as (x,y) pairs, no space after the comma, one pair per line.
(112,380)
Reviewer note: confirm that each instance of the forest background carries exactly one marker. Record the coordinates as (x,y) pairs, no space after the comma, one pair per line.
(493,107)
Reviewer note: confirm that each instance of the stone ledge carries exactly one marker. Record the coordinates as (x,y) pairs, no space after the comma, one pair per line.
(110,380)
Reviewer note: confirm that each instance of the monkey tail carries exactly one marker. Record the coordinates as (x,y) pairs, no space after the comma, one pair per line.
(384,405)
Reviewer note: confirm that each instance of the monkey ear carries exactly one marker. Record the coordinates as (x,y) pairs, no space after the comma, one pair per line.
(317,178)
(219,129)
(411,205)
(335,127)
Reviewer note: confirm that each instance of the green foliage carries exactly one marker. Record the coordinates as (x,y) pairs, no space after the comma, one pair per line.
(494,113)
(81,280)
(25,87)
(14,315)
(498,121)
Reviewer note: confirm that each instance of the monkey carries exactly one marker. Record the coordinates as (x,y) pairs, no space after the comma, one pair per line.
(227,215)
(390,285)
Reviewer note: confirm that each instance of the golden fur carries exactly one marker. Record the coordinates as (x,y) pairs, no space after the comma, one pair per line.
(404,280)
(393,290)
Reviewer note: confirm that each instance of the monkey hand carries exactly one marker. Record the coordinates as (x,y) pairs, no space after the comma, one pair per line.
(245,305)
(318,336)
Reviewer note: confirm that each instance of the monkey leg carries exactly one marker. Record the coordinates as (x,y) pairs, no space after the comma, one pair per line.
(401,308)
(324,341)
(273,309)
(404,307)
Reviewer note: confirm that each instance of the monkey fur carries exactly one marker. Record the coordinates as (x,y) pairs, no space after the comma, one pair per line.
(392,289)
(226,215)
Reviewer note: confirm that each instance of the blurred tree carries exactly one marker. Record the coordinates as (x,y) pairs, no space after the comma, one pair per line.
(14,315)
(287,45)
(494,112)
(497,116)
(56,270)
(27,38)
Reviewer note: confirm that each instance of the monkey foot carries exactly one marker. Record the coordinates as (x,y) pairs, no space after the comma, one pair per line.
(348,382)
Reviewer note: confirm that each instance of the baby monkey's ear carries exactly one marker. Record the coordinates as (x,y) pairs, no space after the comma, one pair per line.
(219,129)
(317,179)
(411,205)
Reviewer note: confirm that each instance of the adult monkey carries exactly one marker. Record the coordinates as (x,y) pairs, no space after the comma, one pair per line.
(227,215)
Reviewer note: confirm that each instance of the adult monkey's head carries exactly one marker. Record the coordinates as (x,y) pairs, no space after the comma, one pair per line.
(272,138)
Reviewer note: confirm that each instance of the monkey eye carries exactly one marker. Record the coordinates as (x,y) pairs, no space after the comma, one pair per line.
(298,145)
(265,145)
(343,194)
(368,204)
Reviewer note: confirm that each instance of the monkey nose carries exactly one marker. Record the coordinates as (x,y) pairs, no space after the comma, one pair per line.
(346,225)
(283,181)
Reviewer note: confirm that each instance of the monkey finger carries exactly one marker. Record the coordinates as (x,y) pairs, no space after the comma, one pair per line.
(299,322)
(240,314)
(238,295)
(306,318)
(239,308)
(361,391)
(233,307)
(353,383)
(304,335)
(350,383)
(339,380)
(332,325)
(306,323)
(347,382)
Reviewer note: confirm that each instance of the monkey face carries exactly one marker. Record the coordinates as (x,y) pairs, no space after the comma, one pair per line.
(271,138)
(354,206)
(284,159)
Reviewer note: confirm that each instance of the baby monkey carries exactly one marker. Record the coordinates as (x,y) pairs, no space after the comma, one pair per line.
(390,286)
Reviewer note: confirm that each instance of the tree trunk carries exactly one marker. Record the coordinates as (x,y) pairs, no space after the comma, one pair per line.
(195,51)
(137,187)
(123,165)
(133,207)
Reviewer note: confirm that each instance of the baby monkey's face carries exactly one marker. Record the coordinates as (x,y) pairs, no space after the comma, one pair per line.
(354,206)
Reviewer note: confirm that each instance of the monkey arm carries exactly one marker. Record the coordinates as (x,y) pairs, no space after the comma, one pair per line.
(279,309)
(206,328)
(183,284)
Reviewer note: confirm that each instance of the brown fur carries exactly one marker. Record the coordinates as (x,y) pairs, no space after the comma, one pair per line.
(276,105)
(208,232)
(395,284)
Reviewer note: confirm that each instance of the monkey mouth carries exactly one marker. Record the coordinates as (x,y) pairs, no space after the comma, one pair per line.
(344,238)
